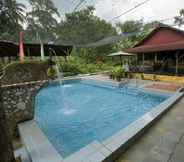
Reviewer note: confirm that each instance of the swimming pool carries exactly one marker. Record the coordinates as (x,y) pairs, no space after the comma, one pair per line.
(80,112)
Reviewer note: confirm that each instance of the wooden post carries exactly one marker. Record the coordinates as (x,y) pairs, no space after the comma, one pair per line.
(9,59)
(6,149)
(121,60)
(28,52)
(155,57)
(65,57)
(143,61)
(176,72)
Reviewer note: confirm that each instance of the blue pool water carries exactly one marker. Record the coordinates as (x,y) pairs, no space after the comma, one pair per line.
(88,112)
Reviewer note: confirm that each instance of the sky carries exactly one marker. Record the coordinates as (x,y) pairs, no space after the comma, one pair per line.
(107,9)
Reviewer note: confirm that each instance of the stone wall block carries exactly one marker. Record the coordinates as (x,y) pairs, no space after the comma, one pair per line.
(18,102)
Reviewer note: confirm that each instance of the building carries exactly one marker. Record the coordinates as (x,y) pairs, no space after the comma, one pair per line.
(162,51)
(10,50)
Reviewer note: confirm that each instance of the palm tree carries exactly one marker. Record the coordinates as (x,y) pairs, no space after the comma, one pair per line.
(179,20)
(41,19)
(12,17)
(16,11)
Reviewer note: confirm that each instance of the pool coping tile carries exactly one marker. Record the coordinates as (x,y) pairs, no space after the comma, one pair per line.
(94,152)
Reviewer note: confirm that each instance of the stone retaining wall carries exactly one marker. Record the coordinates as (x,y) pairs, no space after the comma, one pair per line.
(24,72)
(18,102)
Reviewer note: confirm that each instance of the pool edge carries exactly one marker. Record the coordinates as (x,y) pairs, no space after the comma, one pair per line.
(108,149)
(37,145)
(121,141)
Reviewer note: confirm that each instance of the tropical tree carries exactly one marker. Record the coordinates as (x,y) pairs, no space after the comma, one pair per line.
(130,26)
(83,27)
(179,20)
(137,30)
(11,19)
(16,11)
(42,20)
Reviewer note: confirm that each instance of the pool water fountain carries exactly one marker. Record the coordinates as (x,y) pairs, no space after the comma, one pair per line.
(59,74)
(66,106)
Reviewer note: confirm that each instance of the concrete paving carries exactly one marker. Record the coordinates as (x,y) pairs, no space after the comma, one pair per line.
(163,142)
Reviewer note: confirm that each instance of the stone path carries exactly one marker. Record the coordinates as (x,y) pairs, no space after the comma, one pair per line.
(163,142)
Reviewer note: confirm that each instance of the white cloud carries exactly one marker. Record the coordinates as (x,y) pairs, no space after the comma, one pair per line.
(152,10)
(107,9)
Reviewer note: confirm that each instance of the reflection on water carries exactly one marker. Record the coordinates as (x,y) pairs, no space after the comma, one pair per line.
(68,111)
(67,86)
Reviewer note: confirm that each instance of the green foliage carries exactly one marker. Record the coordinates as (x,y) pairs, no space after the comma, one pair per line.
(179,20)
(83,27)
(77,65)
(142,76)
(93,55)
(130,26)
(42,21)
(51,72)
(137,28)
(69,69)
(117,73)
(11,19)
(155,77)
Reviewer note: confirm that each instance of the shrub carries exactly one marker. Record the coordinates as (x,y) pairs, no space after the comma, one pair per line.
(142,76)
(130,75)
(155,77)
(69,69)
(77,65)
(51,72)
(118,73)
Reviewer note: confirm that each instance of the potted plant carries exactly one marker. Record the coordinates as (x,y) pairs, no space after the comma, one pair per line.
(142,76)
(130,75)
(155,77)
(110,75)
(113,74)
(119,73)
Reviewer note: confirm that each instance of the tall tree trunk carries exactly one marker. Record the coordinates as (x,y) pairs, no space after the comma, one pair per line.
(6,150)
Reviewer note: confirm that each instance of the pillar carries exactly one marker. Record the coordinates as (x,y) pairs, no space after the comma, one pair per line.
(143,61)
(176,72)
(155,57)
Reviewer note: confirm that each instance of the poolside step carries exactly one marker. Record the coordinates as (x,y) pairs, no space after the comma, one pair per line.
(22,153)
(37,145)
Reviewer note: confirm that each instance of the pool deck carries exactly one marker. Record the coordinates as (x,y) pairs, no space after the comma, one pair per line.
(146,84)
(164,142)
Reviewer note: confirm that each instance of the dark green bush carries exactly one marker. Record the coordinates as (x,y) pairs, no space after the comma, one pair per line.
(77,65)
(70,69)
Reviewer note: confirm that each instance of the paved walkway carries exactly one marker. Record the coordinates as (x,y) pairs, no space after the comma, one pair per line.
(163,142)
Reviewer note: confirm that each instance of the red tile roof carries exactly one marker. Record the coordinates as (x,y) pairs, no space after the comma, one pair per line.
(157,48)
(160,39)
